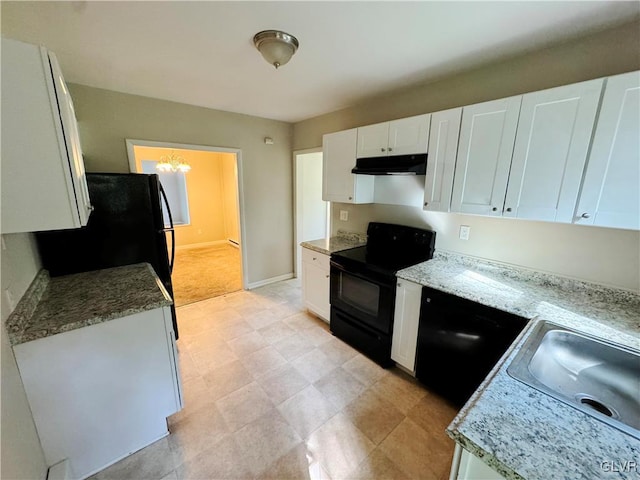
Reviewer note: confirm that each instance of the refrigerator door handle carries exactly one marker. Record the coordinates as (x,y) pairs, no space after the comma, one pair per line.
(170,229)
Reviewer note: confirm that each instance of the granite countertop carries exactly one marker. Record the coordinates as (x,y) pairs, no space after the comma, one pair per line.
(60,304)
(342,241)
(517,430)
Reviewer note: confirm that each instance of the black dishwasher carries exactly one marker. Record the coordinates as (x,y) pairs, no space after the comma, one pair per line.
(459,342)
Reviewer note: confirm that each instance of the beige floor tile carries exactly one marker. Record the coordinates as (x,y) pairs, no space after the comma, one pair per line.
(302,320)
(244,405)
(378,466)
(416,453)
(227,379)
(374,416)
(338,351)
(340,387)
(234,329)
(339,446)
(211,305)
(214,357)
(262,318)
(318,335)
(282,383)
(285,310)
(225,460)
(433,414)
(258,453)
(196,433)
(314,365)
(294,346)
(248,309)
(150,463)
(365,370)
(276,331)
(297,464)
(172,475)
(399,389)
(196,395)
(247,343)
(263,361)
(186,365)
(203,341)
(307,410)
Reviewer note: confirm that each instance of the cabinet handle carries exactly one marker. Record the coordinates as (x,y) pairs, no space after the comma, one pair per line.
(426,203)
(382,149)
(509,209)
(350,198)
(314,258)
(326,276)
(390,149)
(585,215)
(494,209)
(399,284)
(91,208)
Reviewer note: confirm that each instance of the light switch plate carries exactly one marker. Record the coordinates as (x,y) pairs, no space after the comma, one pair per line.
(344,215)
(465,230)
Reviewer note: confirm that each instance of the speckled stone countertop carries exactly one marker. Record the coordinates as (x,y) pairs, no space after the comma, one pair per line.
(517,430)
(60,304)
(342,241)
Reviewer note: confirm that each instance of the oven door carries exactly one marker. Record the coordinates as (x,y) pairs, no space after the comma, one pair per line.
(364,296)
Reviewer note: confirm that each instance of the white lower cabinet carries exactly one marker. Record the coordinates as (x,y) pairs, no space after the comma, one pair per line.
(102,392)
(315,282)
(405,324)
(467,466)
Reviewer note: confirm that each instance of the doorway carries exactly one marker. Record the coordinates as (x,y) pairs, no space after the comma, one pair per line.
(205,205)
(311,212)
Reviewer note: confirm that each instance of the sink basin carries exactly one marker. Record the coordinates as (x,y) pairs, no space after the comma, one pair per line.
(597,377)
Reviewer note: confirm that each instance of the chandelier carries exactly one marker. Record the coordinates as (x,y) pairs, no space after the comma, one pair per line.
(172,163)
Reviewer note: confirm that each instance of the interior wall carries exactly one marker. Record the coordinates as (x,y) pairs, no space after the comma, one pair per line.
(107,118)
(21,455)
(601,255)
(230,198)
(204,193)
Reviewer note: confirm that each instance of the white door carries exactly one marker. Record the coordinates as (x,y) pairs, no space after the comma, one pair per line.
(441,162)
(552,142)
(610,195)
(311,211)
(409,135)
(487,135)
(373,140)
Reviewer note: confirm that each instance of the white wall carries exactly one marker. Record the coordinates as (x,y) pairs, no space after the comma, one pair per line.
(21,452)
(601,255)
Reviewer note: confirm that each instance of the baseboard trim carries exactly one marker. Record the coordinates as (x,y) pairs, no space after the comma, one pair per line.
(203,244)
(262,283)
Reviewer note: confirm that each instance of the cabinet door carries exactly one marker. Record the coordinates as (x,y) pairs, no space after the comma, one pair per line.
(405,324)
(554,131)
(487,135)
(441,161)
(373,140)
(409,135)
(339,157)
(610,194)
(37,180)
(315,282)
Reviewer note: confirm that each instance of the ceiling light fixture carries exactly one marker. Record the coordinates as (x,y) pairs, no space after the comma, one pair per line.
(276,47)
(172,163)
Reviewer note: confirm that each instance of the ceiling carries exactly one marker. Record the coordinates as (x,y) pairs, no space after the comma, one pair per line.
(201,53)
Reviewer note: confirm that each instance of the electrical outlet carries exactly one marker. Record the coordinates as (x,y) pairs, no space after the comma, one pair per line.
(465,230)
(344,215)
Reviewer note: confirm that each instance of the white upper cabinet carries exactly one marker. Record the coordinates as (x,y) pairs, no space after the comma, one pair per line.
(441,161)
(487,135)
(339,157)
(552,142)
(610,195)
(43,181)
(399,137)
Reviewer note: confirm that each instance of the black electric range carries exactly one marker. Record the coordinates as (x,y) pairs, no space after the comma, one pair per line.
(363,285)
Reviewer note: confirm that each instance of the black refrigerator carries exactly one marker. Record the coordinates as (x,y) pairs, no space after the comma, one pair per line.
(127,226)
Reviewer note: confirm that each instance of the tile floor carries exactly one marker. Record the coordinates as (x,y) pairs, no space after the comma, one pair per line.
(269,393)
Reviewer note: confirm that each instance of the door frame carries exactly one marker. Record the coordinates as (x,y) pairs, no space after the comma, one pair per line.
(297,223)
(131,143)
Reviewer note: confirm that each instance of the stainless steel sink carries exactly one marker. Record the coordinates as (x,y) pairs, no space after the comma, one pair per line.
(597,377)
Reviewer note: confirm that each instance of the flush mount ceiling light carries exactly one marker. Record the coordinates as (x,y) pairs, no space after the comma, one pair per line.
(276,47)
(172,163)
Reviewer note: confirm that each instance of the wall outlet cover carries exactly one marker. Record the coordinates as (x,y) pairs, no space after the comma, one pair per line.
(464,232)
(344,215)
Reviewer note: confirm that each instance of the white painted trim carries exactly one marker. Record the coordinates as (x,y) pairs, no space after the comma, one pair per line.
(244,256)
(202,244)
(268,281)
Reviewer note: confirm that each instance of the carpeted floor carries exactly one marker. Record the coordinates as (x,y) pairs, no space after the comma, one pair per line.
(205,272)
